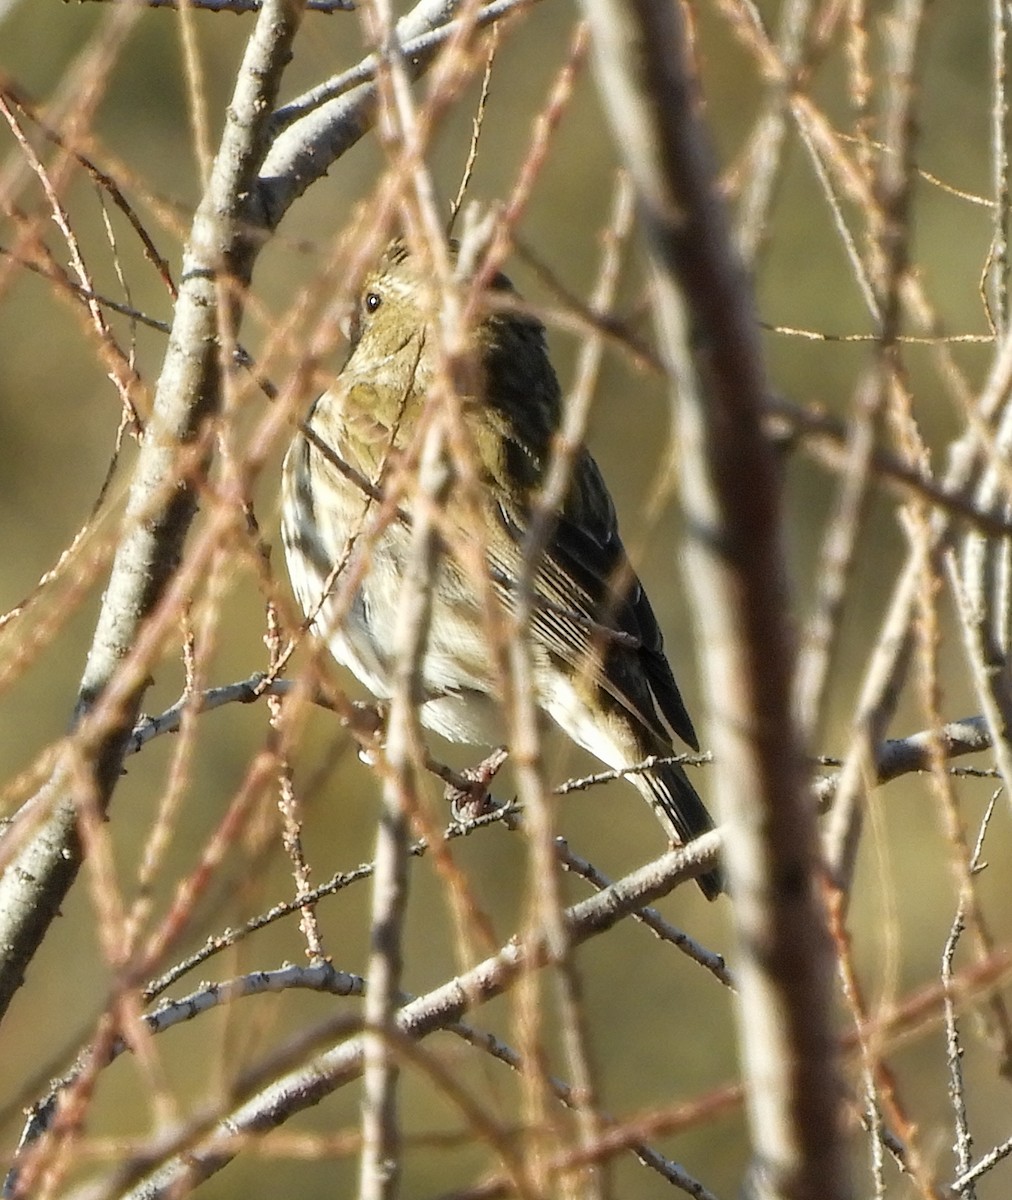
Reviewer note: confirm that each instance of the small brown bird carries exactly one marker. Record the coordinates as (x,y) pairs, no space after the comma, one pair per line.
(612,692)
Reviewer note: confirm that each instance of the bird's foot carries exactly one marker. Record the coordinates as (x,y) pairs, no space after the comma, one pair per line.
(469,796)
(368,723)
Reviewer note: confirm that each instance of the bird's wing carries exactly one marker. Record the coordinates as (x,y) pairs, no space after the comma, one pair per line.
(589,608)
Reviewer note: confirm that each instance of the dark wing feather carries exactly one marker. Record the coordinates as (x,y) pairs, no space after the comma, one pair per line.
(586,588)
(584,579)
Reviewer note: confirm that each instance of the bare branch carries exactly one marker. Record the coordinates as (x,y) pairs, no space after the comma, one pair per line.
(435,1010)
(320,127)
(707,332)
(157,517)
(990,1160)
(238,6)
(954,1050)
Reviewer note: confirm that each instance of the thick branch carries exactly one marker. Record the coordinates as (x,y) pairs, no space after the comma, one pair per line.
(707,331)
(159,512)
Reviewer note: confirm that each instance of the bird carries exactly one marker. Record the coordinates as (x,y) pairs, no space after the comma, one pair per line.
(599,668)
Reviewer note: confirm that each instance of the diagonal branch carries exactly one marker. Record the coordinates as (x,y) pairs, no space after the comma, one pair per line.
(159,511)
(305,149)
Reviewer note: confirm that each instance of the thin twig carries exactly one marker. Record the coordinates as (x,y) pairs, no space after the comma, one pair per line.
(954,1050)
(288,804)
(714,963)
(982,1166)
(237,6)
(476,126)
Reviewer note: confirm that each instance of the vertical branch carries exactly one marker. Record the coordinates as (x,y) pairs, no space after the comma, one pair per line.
(996,279)
(987,562)
(975,590)
(820,637)
(954,1055)
(288,803)
(889,218)
(981,587)
(954,1050)
(999,558)
(526,748)
(380,1165)
(707,328)
(766,154)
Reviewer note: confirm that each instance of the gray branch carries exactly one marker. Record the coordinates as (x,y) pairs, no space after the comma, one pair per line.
(159,512)
(306,149)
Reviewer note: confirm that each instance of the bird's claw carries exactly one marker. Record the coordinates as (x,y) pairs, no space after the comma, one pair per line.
(471,798)
(368,723)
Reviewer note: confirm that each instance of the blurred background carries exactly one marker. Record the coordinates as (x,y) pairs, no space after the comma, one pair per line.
(661,1029)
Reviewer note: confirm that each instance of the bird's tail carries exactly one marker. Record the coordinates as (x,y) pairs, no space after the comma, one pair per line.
(681,812)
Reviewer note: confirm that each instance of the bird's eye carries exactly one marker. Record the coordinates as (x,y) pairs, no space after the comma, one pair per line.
(372,301)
